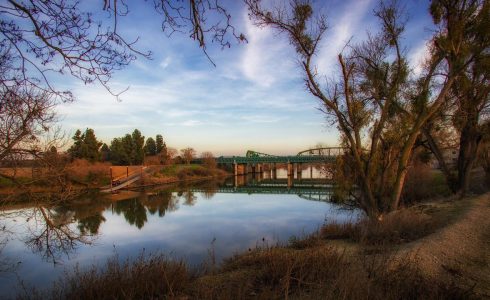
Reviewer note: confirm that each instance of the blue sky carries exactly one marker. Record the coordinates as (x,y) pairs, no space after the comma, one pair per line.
(253,99)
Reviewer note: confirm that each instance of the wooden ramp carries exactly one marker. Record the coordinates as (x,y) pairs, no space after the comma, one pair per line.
(123,181)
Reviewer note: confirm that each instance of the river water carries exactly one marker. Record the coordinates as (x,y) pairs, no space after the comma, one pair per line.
(187,221)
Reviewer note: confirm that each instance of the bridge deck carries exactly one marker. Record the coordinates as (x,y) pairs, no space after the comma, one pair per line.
(276,159)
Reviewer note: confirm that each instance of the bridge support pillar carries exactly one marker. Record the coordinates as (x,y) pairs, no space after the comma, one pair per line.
(235,168)
(274,171)
(298,170)
(290,169)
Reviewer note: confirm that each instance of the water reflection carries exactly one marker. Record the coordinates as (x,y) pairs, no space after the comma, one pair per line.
(182,219)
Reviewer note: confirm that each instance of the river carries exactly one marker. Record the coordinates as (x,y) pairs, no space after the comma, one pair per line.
(197,222)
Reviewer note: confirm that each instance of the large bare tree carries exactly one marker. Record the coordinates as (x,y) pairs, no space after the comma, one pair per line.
(470,95)
(378,107)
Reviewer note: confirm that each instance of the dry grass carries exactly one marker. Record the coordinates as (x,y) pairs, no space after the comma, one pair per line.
(95,173)
(147,277)
(399,227)
(266,273)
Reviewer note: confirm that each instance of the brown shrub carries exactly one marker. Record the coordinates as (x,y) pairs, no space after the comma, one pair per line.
(398,227)
(145,278)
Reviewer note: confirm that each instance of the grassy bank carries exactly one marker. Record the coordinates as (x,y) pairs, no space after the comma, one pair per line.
(175,173)
(435,250)
(82,175)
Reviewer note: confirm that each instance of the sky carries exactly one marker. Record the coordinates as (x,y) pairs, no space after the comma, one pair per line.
(254,98)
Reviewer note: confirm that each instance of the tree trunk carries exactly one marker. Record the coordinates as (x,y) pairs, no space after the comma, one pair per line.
(468,149)
(434,148)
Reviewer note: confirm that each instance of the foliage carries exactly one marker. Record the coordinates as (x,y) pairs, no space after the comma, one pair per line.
(105,152)
(150,146)
(159,143)
(128,150)
(85,146)
(138,153)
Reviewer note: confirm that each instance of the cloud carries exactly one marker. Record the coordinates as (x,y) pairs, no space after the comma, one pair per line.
(166,62)
(343,26)
(261,119)
(418,56)
(267,57)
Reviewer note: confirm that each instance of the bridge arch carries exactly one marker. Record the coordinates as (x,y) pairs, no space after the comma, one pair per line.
(323,151)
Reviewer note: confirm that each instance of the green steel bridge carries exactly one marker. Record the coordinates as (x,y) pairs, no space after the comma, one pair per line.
(316,155)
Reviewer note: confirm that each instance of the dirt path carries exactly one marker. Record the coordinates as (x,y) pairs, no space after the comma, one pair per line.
(460,252)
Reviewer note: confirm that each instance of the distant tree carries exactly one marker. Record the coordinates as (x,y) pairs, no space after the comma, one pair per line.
(150,146)
(159,143)
(208,160)
(118,152)
(128,150)
(187,154)
(105,152)
(127,144)
(76,149)
(171,154)
(163,154)
(85,146)
(91,145)
(138,153)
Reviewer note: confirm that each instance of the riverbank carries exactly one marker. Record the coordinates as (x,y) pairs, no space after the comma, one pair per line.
(81,177)
(435,250)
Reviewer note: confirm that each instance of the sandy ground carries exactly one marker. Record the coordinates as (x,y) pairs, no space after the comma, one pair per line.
(460,252)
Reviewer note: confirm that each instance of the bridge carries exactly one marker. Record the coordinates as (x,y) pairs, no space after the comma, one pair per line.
(309,189)
(253,161)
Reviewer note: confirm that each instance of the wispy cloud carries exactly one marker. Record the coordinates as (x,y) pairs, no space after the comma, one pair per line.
(417,57)
(267,57)
(344,25)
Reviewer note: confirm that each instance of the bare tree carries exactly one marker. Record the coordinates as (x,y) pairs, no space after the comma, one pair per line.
(25,114)
(45,37)
(52,234)
(374,104)
(470,95)
(188,154)
(208,159)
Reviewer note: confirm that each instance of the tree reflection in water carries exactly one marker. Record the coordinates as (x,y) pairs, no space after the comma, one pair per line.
(161,202)
(133,211)
(55,230)
(53,234)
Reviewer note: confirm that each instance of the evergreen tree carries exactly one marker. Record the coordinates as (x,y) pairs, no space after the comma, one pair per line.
(77,144)
(90,149)
(164,157)
(138,142)
(105,152)
(85,145)
(118,154)
(159,142)
(150,146)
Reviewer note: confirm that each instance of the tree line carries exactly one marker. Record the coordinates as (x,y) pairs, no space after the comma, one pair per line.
(130,149)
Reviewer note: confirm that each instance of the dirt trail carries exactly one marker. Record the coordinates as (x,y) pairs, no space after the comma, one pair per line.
(460,252)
